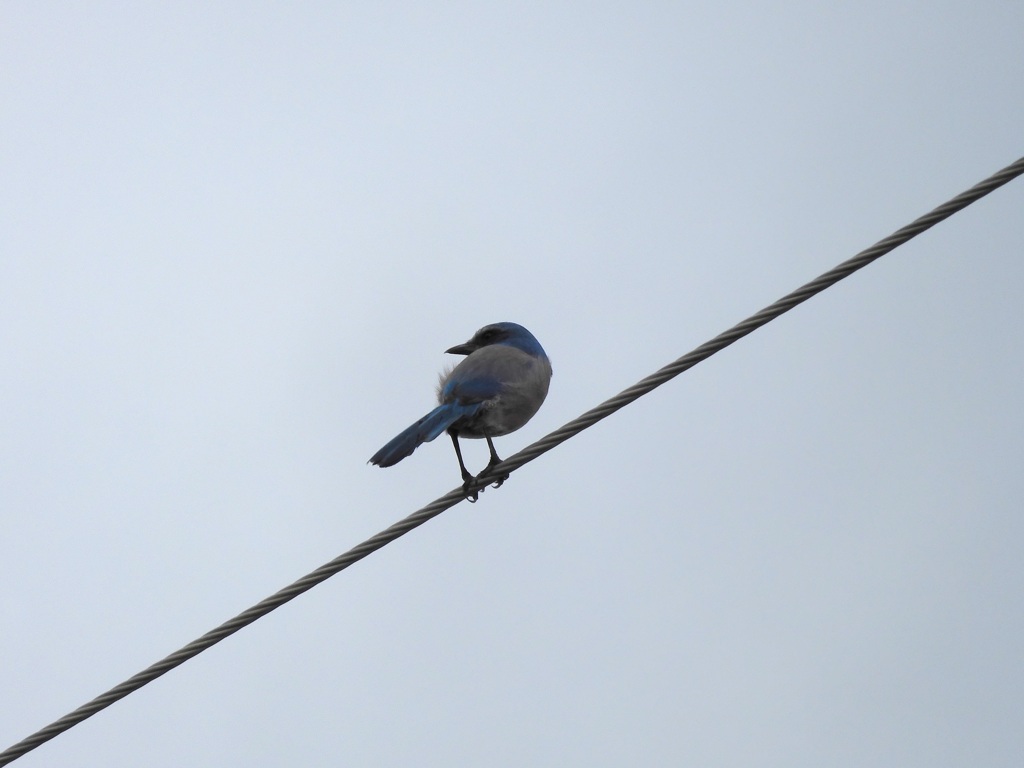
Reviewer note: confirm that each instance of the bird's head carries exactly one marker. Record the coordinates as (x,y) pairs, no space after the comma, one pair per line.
(508,334)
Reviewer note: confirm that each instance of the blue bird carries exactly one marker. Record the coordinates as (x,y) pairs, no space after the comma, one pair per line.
(494,391)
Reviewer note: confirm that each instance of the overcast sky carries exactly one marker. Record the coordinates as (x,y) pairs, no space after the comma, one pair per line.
(235,241)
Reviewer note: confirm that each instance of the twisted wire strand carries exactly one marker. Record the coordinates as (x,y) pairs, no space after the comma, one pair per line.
(515,461)
(755,321)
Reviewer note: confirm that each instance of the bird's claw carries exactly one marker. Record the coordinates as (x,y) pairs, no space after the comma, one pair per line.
(472,487)
(490,466)
(468,490)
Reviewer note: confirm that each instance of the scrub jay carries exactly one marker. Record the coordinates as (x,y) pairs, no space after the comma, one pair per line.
(494,391)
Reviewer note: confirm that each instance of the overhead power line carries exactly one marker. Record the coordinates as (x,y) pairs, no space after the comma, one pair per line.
(531,452)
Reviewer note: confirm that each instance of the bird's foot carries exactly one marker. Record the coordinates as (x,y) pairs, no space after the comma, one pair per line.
(497,481)
(495,461)
(469,489)
(472,487)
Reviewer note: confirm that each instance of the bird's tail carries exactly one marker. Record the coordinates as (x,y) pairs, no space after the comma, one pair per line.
(423,431)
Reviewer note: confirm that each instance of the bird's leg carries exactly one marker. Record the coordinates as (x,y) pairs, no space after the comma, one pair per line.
(467,479)
(493,461)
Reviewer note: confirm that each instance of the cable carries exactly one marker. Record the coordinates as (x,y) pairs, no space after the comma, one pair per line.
(755,321)
(514,462)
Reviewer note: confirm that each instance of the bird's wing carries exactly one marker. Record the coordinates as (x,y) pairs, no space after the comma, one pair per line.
(486,374)
(470,390)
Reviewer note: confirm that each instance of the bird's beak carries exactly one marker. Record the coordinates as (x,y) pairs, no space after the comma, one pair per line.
(461,349)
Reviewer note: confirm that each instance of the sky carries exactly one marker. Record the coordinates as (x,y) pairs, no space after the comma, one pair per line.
(235,241)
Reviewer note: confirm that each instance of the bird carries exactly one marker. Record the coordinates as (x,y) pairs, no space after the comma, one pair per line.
(497,389)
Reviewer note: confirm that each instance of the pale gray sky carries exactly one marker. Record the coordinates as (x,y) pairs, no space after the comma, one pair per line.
(235,241)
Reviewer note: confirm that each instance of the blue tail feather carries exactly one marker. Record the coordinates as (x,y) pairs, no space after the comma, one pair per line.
(423,431)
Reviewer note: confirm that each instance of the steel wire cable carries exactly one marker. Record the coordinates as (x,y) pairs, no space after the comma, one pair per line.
(531,452)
